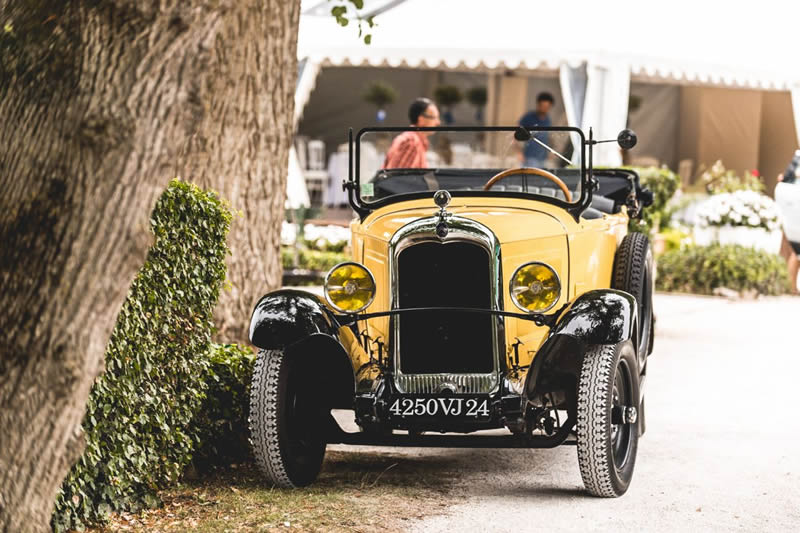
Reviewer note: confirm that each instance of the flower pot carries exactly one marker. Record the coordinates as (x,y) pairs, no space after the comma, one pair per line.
(758,238)
(703,236)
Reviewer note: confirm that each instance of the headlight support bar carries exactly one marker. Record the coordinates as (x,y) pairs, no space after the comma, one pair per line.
(537,318)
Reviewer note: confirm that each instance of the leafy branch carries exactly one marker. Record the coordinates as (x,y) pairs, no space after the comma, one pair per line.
(343,15)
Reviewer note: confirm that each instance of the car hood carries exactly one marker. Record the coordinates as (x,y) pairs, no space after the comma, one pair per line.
(509,224)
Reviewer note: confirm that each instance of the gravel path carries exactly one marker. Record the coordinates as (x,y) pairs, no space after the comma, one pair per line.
(722,449)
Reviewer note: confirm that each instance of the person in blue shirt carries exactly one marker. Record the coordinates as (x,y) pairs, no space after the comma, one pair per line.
(535,153)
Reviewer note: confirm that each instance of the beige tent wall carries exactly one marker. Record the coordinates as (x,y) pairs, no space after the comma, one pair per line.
(512,98)
(730,128)
(507,97)
(656,122)
(720,124)
(689,127)
(778,142)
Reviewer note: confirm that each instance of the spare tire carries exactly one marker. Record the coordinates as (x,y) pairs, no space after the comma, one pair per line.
(633,273)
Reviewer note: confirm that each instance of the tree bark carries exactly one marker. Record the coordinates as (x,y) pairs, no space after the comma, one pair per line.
(242,147)
(96,101)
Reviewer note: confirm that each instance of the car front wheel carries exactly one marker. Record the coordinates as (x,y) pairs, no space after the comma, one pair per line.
(286,422)
(608,405)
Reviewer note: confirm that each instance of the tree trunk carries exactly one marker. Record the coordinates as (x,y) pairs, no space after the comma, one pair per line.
(96,100)
(242,147)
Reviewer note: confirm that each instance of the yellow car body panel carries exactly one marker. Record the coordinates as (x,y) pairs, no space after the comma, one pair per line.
(581,253)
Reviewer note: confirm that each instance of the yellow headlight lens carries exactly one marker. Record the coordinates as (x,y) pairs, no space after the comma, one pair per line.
(349,287)
(535,287)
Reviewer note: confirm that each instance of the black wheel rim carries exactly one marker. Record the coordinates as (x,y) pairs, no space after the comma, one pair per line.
(621,431)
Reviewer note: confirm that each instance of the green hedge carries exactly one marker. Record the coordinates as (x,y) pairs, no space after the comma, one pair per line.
(663,182)
(139,435)
(701,269)
(222,422)
(312,259)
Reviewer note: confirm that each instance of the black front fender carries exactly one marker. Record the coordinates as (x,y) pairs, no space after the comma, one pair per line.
(602,316)
(284,317)
(298,323)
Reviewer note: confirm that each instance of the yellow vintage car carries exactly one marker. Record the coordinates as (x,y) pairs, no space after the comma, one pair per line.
(487,304)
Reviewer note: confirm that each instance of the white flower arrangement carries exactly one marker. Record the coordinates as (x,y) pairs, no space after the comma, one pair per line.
(325,237)
(319,237)
(742,209)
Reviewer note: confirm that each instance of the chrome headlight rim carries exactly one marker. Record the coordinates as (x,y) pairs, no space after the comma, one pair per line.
(511,287)
(328,276)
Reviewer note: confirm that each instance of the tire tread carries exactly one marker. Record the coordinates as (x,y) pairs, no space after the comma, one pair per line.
(630,263)
(263,418)
(597,372)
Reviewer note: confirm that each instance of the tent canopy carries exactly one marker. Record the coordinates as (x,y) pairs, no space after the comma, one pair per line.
(598,51)
(715,42)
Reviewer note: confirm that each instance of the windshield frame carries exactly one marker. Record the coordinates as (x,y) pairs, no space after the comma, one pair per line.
(353,185)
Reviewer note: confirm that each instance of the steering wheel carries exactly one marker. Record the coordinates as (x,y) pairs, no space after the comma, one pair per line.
(528,170)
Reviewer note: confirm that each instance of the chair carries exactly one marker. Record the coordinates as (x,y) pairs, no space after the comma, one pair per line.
(316,181)
(316,154)
(462,155)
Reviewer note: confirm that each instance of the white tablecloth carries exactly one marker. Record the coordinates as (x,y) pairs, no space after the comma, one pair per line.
(333,194)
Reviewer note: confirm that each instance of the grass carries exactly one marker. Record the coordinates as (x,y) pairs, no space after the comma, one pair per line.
(357,492)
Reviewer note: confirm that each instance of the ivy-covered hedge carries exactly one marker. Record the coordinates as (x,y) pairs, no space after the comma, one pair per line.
(321,261)
(139,435)
(701,269)
(222,421)
(663,182)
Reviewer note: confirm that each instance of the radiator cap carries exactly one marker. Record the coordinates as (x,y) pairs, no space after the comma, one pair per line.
(442,198)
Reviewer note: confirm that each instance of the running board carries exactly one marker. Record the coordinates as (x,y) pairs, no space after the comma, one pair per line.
(457,441)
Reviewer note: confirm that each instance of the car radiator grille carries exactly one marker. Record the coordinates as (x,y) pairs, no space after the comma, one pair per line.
(437,347)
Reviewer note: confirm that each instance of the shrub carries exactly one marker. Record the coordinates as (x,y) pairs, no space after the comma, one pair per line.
(674,239)
(312,259)
(701,269)
(222,423)
(718,179)
(663,182)
(477,96)
(447,95)
(380,94)
(138,427)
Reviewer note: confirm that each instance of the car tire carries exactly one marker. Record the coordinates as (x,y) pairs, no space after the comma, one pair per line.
(607,450)
(633,273)
(286,422)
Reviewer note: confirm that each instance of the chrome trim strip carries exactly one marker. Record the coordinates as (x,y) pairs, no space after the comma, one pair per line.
(437,383)
(459,230)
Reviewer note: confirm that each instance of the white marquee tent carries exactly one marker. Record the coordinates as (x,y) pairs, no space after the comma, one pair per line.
(739,63)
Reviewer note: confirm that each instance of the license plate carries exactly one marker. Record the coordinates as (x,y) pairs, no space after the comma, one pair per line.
(441,407)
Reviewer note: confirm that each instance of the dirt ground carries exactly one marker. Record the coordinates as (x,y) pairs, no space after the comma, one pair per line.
(721,452)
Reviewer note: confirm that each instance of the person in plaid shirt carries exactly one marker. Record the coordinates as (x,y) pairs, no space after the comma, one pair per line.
(408,149)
